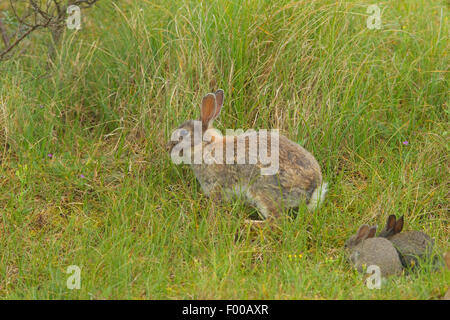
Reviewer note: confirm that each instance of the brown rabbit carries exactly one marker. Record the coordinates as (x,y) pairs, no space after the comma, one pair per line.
(366,249)
(297,179)
(411,245)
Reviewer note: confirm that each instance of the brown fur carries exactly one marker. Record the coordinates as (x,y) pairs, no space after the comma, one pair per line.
(366,250)
(299,173)
(411,245)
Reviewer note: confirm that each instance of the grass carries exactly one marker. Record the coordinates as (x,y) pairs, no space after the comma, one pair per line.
(109,200)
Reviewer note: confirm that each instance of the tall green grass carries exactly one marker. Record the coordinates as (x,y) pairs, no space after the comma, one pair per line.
(110,201)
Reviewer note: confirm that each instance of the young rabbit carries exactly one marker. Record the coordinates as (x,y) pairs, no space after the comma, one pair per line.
(411,245)
(297,179)
(366,249)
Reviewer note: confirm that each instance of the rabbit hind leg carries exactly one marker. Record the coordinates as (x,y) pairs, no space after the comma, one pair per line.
(265,204)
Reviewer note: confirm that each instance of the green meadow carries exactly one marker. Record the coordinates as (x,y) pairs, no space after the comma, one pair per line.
(85,178)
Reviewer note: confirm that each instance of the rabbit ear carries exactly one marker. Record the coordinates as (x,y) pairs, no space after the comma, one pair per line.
(390,224)
(372,232)
(208,109)
(398,225)
(362,233)
(219,102)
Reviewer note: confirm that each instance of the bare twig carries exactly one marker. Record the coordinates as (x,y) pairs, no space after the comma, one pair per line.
(84,3)
(4,34)
(5,52)
(50,15)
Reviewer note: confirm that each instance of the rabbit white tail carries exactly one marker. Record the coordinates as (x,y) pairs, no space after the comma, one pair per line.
(318,196)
